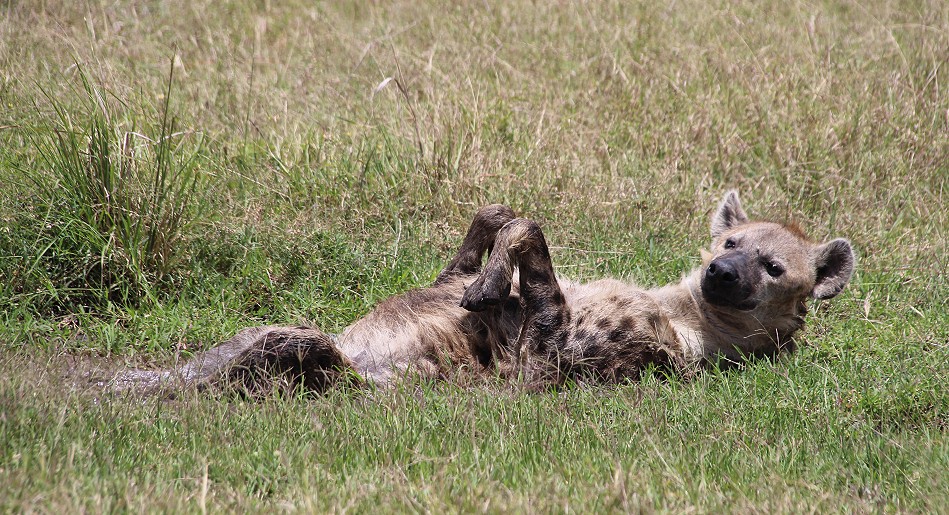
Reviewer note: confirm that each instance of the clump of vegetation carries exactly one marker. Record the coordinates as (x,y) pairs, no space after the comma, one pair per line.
(116,199)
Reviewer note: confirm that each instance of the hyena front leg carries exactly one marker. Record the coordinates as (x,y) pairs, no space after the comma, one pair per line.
(546,316)
(480,238)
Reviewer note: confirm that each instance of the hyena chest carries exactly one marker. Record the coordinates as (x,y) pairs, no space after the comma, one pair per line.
(616,331)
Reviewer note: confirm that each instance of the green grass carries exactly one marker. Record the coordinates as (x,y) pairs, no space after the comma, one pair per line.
(301,190)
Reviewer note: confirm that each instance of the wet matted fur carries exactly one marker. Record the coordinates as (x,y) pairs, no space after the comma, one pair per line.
(512,316)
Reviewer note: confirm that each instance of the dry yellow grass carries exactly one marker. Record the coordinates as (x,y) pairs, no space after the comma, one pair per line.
(830,108)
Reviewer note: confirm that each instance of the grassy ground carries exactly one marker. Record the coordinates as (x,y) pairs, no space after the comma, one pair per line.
(277,162)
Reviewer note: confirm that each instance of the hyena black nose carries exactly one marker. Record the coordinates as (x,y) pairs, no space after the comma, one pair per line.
(722,271)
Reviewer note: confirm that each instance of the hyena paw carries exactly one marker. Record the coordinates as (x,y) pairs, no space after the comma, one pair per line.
(487,290)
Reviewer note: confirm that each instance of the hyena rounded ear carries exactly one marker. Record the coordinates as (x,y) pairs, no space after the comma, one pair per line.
(834,262)
(729,214)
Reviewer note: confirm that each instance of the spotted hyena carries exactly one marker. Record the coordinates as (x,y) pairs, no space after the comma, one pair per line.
(514,317)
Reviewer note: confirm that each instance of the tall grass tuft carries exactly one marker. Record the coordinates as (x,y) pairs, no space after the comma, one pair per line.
(119,199)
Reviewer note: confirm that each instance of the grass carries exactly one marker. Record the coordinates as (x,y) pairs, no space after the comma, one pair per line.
(317,193)
(119,201)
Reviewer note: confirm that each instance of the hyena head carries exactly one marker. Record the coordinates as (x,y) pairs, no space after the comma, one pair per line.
(758,274)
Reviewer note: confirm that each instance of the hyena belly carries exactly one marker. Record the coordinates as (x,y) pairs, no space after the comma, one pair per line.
(616,331)
(426,334)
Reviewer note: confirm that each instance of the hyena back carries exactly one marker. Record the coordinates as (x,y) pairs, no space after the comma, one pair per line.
(515,317)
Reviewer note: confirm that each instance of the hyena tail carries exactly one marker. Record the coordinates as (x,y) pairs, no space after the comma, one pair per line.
(254,361)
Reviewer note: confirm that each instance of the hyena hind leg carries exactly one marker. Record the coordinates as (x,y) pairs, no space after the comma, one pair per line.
(290,357)
(480,238)
(254,361)
(546,316)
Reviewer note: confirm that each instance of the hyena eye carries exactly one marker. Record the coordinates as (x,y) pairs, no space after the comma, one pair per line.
(774,269)
(729,243)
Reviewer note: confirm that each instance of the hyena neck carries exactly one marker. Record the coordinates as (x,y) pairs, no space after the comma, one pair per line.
(707,334)
(682,310)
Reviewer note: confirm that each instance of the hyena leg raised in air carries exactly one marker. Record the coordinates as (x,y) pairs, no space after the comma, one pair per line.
(480,238)
(253,361)
(546,316)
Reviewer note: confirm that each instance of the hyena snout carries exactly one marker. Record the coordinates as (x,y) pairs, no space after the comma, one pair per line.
(722,272)
(728,282)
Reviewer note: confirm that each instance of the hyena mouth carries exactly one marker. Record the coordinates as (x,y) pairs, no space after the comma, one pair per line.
(737,298)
